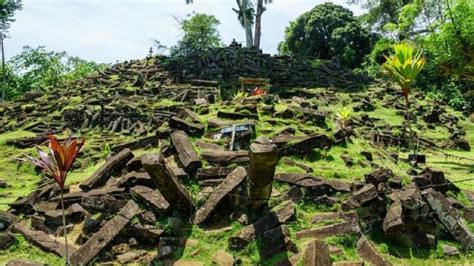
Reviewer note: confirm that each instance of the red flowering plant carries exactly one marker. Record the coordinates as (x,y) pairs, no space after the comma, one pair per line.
(259,91)
(57,163)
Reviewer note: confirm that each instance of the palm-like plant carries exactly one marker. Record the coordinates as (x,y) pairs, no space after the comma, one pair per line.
(403,66)
(57,164)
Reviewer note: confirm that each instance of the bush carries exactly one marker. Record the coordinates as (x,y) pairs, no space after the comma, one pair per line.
(327,31)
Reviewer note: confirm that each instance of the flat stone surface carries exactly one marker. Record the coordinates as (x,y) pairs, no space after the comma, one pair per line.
(234,179)
(42,240)
(449,218)
(367,252)
(317,254)
(223,258)
(329,230)
(105,235)
(225,157)
(363,195)
(23,263)
(151,197)
(114,164)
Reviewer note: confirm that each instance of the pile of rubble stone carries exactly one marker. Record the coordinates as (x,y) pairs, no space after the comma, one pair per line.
(118,206)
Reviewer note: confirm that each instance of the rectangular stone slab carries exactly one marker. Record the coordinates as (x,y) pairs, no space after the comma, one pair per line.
(242,238)
(368,253)
(448,217)
(329,230)
(296,145)
(225,157)
(87,252)
(317,254)
(192,129)
(234,179)
(151,197)
(114,164)
(42,240)
(186,153)
(167,183)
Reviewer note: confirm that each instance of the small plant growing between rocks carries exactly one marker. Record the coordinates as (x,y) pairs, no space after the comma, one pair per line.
(56,164)
(403,66)
(343,117)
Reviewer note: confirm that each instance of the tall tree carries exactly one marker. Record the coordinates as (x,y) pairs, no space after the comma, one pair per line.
(248,17)
(199,33)
(7,11)
(258,21)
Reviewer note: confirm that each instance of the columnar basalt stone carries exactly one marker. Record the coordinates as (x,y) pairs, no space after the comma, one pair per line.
(42,239)
(87,252)
(242,238)
(393,221)
(317,254)
(263,160)
(449,218)
(186,153)
(167,183)
(234,179)
(192,129)
(113,165)
(151,197)
(225,157)
(367,251)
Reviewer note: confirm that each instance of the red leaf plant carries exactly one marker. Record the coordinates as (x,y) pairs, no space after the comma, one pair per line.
(57,164)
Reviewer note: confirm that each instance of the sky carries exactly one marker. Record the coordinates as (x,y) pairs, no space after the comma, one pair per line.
(108,31)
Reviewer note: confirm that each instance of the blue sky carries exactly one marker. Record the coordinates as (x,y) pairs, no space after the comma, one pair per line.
(116,30)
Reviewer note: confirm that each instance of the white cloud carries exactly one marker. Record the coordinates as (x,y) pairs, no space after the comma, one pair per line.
(111,30)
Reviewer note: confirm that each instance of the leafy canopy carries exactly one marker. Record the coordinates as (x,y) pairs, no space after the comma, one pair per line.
(199,33)
(327,31)
(7,11)
(36,68)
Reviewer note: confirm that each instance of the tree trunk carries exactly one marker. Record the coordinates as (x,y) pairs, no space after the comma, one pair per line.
(3,68)
(247,24)
(258,24)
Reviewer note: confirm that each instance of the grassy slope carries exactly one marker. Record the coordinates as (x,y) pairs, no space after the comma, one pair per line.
(329,165)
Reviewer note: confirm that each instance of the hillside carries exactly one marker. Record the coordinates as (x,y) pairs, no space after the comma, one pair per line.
(177,170)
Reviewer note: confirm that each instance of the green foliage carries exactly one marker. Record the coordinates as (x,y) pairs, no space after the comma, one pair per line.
(36,68)
(327,31)
(239,95)
(404,64)
(343,116)
(7,11)
(199,33)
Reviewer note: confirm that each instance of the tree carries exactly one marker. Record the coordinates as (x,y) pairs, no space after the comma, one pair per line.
(7,11)
(247,16)
(326,31)
(36,68)
(199,33)
(403,66)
